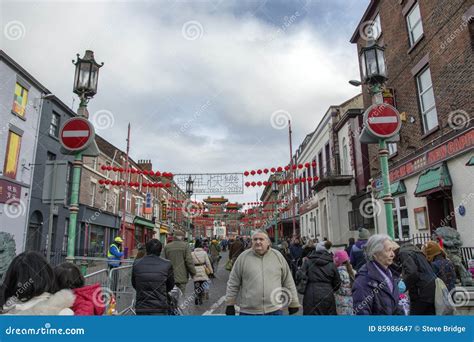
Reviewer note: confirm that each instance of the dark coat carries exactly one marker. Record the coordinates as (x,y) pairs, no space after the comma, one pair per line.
(357,254)
(235,249)
(152,278)
(372,296)
(417,274)
(444,269)
(323,281)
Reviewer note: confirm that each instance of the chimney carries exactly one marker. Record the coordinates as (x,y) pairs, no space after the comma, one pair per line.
(145,165)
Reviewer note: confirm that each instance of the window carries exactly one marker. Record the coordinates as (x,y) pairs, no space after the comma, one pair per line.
(427,100)
(345,158)
(400,218)
(376,28)
(106,199)
(94,163)
(50,156)
(54,125)
(13,153)
(128,202)
(138,206)
(66,234)
(392,148)
(20,99)
(415,27)
(93,188)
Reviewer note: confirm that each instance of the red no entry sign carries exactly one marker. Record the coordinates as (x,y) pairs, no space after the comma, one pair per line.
(382,120)
(76,134)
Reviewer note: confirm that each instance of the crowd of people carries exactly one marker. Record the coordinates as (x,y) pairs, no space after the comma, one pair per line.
(371,276)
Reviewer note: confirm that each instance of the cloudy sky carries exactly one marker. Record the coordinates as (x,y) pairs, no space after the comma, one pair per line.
(204,84)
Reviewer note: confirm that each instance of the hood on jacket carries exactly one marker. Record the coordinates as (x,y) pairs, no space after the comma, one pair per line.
(360,244)
(321,258)
(89,300)
(45,305)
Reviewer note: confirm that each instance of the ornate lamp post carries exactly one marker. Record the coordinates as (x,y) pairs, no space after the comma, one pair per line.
(85,86)
(189,192)
(275,192)
(374,74)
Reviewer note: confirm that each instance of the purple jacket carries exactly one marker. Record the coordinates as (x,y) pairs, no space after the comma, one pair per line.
(371,294)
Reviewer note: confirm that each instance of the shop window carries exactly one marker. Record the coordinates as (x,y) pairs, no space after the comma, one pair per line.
(427,100)
(20,99)
(12,155)
(414,24)
(138,206)
(400,218)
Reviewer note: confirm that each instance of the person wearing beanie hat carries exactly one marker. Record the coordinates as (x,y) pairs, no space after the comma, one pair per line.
(357,256)
(323,281)
(343,296)
(442,266)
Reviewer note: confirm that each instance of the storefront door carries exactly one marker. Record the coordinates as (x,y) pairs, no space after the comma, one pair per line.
(441,210)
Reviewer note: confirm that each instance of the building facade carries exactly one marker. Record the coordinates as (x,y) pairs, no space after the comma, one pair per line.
(429,59)
(21,100)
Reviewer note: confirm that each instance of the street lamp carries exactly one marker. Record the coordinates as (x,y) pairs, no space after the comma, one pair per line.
(275,192)
(374,74)
(85,86)
(189,192)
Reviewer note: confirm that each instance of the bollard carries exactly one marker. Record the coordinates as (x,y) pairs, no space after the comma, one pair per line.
(84,267)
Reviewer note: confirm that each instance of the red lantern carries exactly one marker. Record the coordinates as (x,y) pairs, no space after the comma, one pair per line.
(133,171)
(246,173)
(145,185)
(252,172)
(294,167)
(247,184)
(115,169)
(297,181)
(290,181)
(113,183)
(313,164)
(309,179)
(300,166)
(273,170)
(307,165)
(101,181)
(168,185)
(158,173)
(151,173)
(103,167)
(265,171)
(253,183)
(280,169)
(107,182)
(145,172)
(109,168)
(287,167)
(170,174)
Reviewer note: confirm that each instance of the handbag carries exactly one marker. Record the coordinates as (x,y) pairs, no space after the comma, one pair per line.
(443,302)
(206,268)
(301,279)
(229,264)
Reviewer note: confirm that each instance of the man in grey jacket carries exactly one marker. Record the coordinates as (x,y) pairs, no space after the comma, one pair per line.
(263,279)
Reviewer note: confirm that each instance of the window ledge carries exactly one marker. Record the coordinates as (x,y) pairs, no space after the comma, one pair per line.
(427,134)
(53,137)
(393,155)
(415,44)
(18,116)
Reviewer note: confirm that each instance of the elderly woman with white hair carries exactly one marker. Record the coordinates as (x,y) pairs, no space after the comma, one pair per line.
(375,290)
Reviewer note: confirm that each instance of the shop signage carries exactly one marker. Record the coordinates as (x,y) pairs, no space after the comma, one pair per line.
(434,156)
(9,192)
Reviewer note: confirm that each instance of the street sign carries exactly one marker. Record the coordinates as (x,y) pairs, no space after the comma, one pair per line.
(76,134)
(382,120)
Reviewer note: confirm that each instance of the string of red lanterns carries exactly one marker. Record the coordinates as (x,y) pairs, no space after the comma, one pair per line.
(283,181)
(279,169)
(134,184)
(136,171)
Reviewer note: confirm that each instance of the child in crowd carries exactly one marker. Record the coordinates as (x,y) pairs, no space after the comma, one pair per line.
(89,301)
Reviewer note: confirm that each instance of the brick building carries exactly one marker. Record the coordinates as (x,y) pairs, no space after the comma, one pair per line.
(429,48)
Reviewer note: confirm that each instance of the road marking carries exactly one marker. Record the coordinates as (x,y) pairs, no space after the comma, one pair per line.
(214,306)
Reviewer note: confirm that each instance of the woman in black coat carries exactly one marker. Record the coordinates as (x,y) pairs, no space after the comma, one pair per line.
(323,281)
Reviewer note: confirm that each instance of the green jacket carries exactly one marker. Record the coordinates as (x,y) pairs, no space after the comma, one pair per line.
(179,254)
(265,283)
